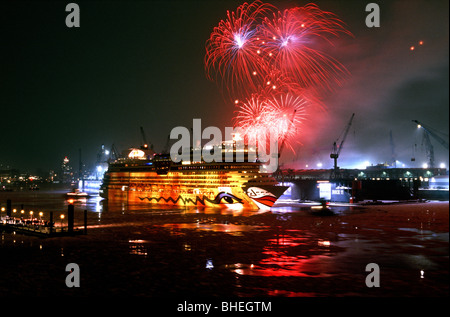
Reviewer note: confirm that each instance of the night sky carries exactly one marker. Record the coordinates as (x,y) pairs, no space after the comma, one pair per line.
(140,63)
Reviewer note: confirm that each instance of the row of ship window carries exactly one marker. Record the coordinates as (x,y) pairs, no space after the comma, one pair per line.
(177,191)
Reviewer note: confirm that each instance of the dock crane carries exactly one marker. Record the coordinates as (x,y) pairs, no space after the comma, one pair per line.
(146,145)
(166,146)
(337,150)
(430,149)
(393,155)
(283,141)
(113,154)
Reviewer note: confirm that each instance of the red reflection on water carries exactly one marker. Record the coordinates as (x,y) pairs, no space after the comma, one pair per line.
(232,229)
(284,257)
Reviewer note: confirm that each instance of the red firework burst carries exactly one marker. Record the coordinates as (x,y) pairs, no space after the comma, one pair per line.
(274,57)
(281,116)
(289,40)
(288,112)
(253,118)
(232,51)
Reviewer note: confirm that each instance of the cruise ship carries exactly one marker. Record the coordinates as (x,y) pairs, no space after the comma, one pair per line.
(147,177)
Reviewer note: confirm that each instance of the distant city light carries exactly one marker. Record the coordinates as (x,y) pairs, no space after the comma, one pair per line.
(398,163)
(361,165)
(424,165)
(442,165)
(319,164)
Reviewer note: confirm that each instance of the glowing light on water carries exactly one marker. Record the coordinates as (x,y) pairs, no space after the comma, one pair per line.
(209,264)
(324,243)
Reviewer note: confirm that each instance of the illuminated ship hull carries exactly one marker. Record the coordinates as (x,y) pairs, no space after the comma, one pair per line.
(223,185)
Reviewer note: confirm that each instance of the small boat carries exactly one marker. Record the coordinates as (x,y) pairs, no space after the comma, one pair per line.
(76,193)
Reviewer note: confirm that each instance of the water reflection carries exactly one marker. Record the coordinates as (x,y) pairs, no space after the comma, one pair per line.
(292,253)
(283,252)
(249,252)
(179,229)
(138,247)
(209,264)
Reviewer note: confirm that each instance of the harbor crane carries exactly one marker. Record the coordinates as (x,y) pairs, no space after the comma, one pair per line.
(337,150)
(428,131)
(166,146)
(283,141)
(146,145)
(113,154)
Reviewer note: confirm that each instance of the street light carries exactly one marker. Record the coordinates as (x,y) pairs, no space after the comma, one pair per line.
(62,218)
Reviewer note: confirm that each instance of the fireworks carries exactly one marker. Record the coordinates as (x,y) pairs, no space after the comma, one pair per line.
(232,51)
(288,111)
(290,38)
(280,115)
(253,118)
(272,60)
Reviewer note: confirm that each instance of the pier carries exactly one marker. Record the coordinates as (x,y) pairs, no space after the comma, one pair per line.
(39,227)
(372,183)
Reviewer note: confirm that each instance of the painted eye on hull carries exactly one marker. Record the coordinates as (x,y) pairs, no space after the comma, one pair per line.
(226,198)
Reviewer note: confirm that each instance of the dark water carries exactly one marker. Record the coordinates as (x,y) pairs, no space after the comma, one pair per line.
(293,250)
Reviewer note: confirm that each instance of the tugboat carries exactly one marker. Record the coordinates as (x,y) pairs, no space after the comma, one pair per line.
(76,194)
